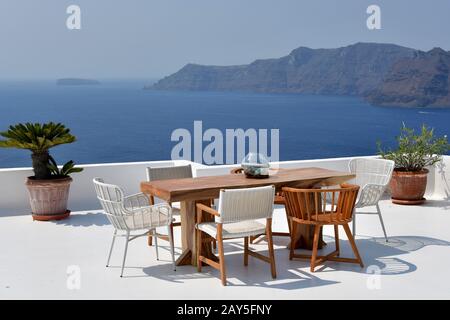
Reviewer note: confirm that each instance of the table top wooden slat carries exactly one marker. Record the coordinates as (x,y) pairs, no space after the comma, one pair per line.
(209,187)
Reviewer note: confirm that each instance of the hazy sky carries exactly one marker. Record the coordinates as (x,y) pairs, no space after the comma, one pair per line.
(153,38)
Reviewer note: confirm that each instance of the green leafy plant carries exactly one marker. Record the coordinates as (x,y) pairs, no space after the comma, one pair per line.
(66,170)
(416,151)
(39,138)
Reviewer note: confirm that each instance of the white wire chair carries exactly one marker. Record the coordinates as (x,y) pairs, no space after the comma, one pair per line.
(236,217)
(132,213)
(373,176)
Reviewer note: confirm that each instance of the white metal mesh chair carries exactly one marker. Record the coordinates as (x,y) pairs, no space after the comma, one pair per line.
(132,213)
(236,217)
(373,176)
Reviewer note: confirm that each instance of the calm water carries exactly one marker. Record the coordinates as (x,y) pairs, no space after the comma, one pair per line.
(118,121)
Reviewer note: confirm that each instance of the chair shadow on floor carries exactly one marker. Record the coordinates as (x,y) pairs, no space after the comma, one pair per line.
(256,274)
(85,220)
(443,204)
(292,275)
(381,255)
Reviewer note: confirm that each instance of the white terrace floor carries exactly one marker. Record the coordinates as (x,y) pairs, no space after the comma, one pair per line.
(35,257)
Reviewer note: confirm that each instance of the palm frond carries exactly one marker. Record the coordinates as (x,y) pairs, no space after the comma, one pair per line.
(36,137)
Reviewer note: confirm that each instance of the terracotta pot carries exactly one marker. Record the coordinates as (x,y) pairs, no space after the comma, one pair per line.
(48,198)
(408,187)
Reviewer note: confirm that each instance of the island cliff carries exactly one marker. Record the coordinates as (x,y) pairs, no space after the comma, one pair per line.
(375,71)
(419,81)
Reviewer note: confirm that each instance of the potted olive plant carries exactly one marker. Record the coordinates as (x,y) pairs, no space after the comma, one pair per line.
(414,153)
(49,187)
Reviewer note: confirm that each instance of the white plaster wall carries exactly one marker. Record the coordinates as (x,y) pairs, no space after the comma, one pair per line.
(14,196)
(441,180)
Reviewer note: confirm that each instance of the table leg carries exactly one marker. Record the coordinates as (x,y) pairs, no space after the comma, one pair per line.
(304,235)
(188,234)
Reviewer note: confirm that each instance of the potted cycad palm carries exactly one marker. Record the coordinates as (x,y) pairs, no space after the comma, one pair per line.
(415,152)
(49,187)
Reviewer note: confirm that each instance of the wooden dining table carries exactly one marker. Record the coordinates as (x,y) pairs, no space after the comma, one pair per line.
(202,189)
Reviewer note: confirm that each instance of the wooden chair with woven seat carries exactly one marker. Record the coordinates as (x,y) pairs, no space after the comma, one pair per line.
(166,173)
(236,217)
(320,207)
(278,200)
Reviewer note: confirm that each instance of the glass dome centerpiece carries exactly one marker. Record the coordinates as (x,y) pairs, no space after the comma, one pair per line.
(255,165)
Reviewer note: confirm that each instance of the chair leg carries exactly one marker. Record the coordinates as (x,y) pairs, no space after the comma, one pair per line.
(246,240)
(111,249)
(270,244)
(198,250)
(288,221)
(315,246)
(354,223)
(156,243)
(223,276)
(353,244)
(382,222)
(125,252)
(171,228)
(336,238)
(150,239)
(293,232)
(172,249)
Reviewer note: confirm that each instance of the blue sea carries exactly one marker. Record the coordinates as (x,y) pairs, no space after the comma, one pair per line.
(118,121)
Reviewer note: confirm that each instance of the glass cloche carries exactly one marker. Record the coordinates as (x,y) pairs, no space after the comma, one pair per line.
(255,165)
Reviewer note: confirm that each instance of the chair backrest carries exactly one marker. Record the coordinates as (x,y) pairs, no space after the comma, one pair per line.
(309,204)
(111,198)
(237,170)
(245,204)
(378,171)
(166,173)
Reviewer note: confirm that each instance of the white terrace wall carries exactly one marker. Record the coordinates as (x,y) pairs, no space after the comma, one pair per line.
(14,196)
(441,180)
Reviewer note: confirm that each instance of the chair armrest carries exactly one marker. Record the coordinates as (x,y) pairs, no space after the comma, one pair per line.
(204,208)
(201,207)
(149,216)
(136,201)
(163,208)
(370,194)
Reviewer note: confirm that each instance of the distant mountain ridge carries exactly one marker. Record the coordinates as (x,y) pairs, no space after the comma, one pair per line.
(423,80)
(361,69)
